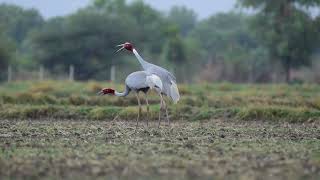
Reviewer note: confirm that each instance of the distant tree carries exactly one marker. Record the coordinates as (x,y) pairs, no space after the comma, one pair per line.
(185,18)
(86,40)
(286,29)
(18,22)
(149,24)
(112,6)
(226,39)
(174,52)
(222,32)
(7,50)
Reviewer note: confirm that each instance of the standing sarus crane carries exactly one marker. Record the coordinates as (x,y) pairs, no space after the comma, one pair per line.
(137,82)
(170,87)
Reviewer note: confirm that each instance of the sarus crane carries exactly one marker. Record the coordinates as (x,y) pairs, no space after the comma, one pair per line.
(137,82)
(170,87)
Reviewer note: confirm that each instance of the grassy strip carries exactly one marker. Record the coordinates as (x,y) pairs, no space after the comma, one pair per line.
(57,112)
(189,100)
(264,113)
(72,112)
(181,112)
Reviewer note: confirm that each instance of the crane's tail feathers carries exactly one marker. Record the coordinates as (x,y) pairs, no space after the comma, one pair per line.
(174,92)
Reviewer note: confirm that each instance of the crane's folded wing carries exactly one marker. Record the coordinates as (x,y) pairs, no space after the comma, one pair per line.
(154,81)
(174,92)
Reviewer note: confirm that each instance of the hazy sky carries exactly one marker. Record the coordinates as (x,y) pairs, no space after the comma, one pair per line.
(50,8)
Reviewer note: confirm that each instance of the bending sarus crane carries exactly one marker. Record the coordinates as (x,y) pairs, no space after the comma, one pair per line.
(169,89)
(136,82)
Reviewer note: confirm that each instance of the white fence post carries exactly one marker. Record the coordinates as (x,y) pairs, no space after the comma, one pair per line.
(113,73)
(71,73)
(9,74)
(41,73)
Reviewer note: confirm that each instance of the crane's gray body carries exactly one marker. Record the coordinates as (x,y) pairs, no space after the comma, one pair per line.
(166,77)
(137,81)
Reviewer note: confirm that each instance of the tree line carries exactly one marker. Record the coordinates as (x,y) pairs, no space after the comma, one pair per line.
(280,35)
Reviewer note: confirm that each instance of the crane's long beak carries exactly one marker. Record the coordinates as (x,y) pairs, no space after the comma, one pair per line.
(122,47)
(100,93)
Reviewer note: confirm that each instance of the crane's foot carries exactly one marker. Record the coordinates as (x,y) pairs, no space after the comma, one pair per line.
(137,123)
(167,118)
(148,115)
(168,124)
(159,121)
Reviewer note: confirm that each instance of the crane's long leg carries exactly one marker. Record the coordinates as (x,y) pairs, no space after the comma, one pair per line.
(148,109)
(137,95)
(167,114)
(161,106)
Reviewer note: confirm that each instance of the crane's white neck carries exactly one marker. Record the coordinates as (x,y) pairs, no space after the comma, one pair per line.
(142,61)
(124,93)
(119,94)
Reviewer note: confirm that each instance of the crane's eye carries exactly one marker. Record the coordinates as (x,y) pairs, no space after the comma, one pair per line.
(128,46)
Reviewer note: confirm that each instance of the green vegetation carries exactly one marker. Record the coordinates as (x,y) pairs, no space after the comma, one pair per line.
(290,103)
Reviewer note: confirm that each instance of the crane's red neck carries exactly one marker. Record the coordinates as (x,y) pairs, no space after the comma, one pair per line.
(108,91)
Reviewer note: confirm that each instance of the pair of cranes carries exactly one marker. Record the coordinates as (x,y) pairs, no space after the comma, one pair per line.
(152,77)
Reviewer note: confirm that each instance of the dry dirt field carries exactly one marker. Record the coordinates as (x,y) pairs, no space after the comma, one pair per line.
(215,149)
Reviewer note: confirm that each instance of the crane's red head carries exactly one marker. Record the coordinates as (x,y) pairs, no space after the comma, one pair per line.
(106,91)
(128,46)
